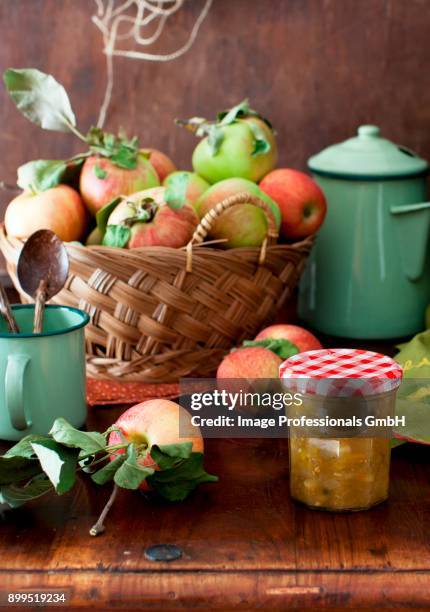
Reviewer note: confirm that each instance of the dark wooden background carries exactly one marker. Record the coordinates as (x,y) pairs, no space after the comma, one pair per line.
(317,68)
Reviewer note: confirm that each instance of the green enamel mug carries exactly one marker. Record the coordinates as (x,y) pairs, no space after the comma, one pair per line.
(42,376)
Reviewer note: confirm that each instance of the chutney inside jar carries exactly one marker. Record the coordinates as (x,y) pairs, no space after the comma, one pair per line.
(339,458)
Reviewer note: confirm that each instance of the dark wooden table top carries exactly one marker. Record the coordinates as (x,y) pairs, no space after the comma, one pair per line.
(245,543)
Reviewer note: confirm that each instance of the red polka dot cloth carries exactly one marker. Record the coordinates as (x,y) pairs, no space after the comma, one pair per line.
(105,392)
(340,372)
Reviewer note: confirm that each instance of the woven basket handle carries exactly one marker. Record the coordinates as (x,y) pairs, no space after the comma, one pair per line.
(206,223)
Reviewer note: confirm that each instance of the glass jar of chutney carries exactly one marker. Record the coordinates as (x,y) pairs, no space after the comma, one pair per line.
(340,434)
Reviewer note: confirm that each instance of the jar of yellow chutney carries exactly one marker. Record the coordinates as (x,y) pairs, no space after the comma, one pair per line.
(340,432)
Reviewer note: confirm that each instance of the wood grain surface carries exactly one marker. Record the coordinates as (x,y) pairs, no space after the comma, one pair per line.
(245,543)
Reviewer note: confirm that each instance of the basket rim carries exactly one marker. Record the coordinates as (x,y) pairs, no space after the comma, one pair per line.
(76,244)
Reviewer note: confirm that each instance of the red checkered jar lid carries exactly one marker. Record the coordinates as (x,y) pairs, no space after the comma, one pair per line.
(340,372)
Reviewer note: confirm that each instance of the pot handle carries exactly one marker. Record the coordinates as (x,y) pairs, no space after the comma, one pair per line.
(14,386)
(206,222)
(412,223)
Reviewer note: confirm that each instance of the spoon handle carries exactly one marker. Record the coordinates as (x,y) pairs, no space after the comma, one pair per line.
(6,311)
(39,308)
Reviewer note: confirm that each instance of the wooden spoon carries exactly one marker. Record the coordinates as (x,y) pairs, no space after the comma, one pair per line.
(43,267)
(6,311)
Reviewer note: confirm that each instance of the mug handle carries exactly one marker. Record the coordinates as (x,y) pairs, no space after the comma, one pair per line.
(14,386)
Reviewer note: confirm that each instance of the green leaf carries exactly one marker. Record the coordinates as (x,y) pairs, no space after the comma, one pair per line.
(283,348)
(117,236)
(104,213)
(108,471)
(176,484)
(175,194)
(99,172)
(168,455)
(43,174)
(58,462)
(16,468)
(417,419)
(261,144)
(215,138)
(120,150)
(240,110)
(87,441)
(130,474)
(40,98)
(16,496)
(23,448)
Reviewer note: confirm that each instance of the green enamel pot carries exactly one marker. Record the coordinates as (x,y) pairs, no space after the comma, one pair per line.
(42,376)
(368,276)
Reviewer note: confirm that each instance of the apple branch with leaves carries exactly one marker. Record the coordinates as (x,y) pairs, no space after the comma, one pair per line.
(44,101)
(214,129)
(40,464)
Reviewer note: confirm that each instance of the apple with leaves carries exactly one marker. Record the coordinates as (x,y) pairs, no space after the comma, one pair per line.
(112,165)
(102,180)
(59,209)
(154,422)
(153,445)
(301,338)
(146,219)
(302,202)
(162,164)
(239,143)
(243,225)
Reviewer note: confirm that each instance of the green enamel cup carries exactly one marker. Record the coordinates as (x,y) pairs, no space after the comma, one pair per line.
(42,376)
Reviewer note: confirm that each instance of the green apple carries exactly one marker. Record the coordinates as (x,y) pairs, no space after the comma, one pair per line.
(243,225)
(239,143)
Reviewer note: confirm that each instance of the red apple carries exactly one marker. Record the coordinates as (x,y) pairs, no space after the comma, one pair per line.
(166,227)
(303,339)
(158,422)
(249,363)
(163,165)
(302,202)
(59,209)
(101,180)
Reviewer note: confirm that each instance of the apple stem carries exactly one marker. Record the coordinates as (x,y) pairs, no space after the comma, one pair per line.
(99,527)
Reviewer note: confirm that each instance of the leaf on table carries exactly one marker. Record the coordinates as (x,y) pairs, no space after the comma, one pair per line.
(16,496)
(87,441)
(108,471)
(116,236)
(104,213)
(130,474)
(16,468)
(175,194)
(40,98)
(168,455)
(283,348)
(58,462)
(23,448)
(417,419)
(177,483)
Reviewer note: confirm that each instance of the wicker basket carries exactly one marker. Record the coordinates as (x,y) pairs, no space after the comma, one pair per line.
(160,313)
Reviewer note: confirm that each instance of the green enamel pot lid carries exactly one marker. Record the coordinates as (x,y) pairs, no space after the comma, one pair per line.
(367,155)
